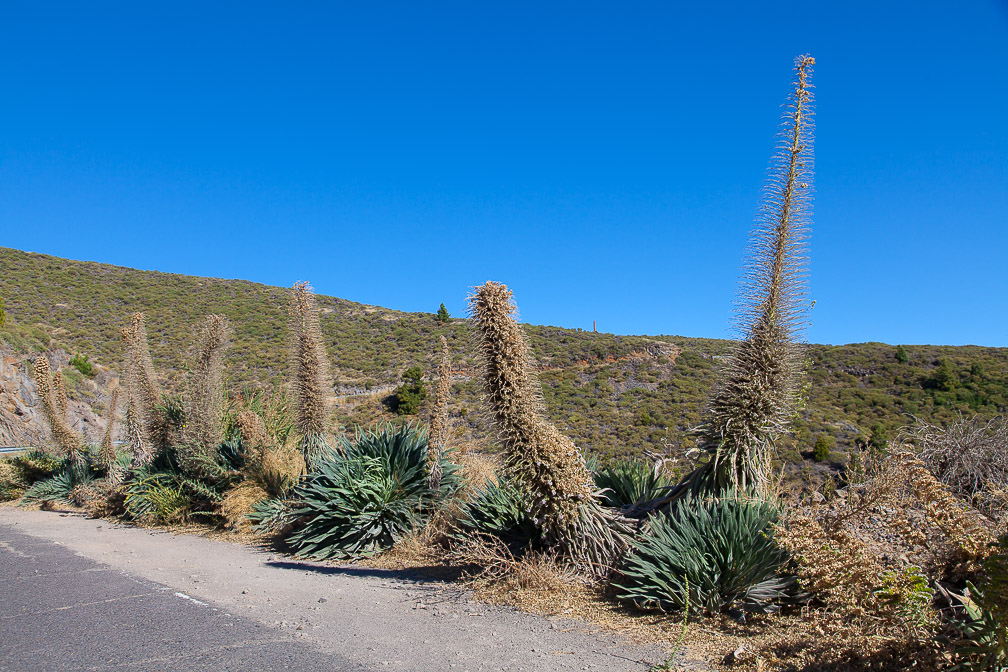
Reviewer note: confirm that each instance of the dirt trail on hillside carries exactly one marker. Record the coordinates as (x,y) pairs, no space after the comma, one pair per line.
(381,619)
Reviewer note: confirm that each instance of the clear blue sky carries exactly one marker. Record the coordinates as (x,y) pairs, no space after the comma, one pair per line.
(602,159)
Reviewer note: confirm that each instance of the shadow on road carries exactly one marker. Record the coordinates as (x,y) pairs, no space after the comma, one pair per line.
(428,574)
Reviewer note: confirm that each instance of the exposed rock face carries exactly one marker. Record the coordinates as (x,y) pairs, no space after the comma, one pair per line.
(21,419)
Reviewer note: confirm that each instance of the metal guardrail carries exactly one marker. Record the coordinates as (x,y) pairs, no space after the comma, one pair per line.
(5,450)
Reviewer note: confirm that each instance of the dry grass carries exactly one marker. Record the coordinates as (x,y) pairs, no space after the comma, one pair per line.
(238,503)
(476,469)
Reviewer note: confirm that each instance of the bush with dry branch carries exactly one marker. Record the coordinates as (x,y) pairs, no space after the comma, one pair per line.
(969,456)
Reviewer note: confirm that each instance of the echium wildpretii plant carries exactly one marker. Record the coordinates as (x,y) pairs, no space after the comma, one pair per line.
(65,438)
(544,463)
(311,374)
(760,386)
(108,452)
(144,424)
(204,404)
(439,423)
(60,393)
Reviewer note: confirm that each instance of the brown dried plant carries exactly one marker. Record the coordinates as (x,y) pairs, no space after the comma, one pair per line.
(65,438)
(439,423)
(544,462)
(204,401)
(873,556)
(311,374)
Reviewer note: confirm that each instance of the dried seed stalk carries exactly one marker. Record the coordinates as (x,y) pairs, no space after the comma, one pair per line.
(439,423)
(205,398)
(759,389)
(311,374)
(66,439)
(546,463)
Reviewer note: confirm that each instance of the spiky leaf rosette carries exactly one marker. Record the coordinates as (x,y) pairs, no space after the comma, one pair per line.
(545,463)
(205,389)
(362,500)
(759,389)
(311,374)
(499,508)
(627,483)
(66,439)
(439,423)
(710,554)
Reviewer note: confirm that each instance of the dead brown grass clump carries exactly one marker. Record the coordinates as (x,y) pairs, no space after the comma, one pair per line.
(238,503)
(476,469)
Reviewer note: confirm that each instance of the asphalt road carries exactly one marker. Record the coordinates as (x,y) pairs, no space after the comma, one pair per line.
(85,594)
(65,612)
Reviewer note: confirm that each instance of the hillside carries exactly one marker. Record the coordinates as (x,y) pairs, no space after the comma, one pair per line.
(615,395)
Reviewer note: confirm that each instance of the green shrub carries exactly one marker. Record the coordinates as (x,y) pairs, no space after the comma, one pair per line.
(156,497)
(821,452)
(902,356)
(629,482)
(499,509)
(81,363)
(59,487)
(411,393)
(12,485)
(35,465)
(363,500)
(712,554)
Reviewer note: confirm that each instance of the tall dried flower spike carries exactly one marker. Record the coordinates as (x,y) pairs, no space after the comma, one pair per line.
(115,475)
(205,391)
(544,462)
(108,448)
(66,439)
(60,393)
(143,365)
(439,423)
(311,374)
(759,389)
(142,393)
